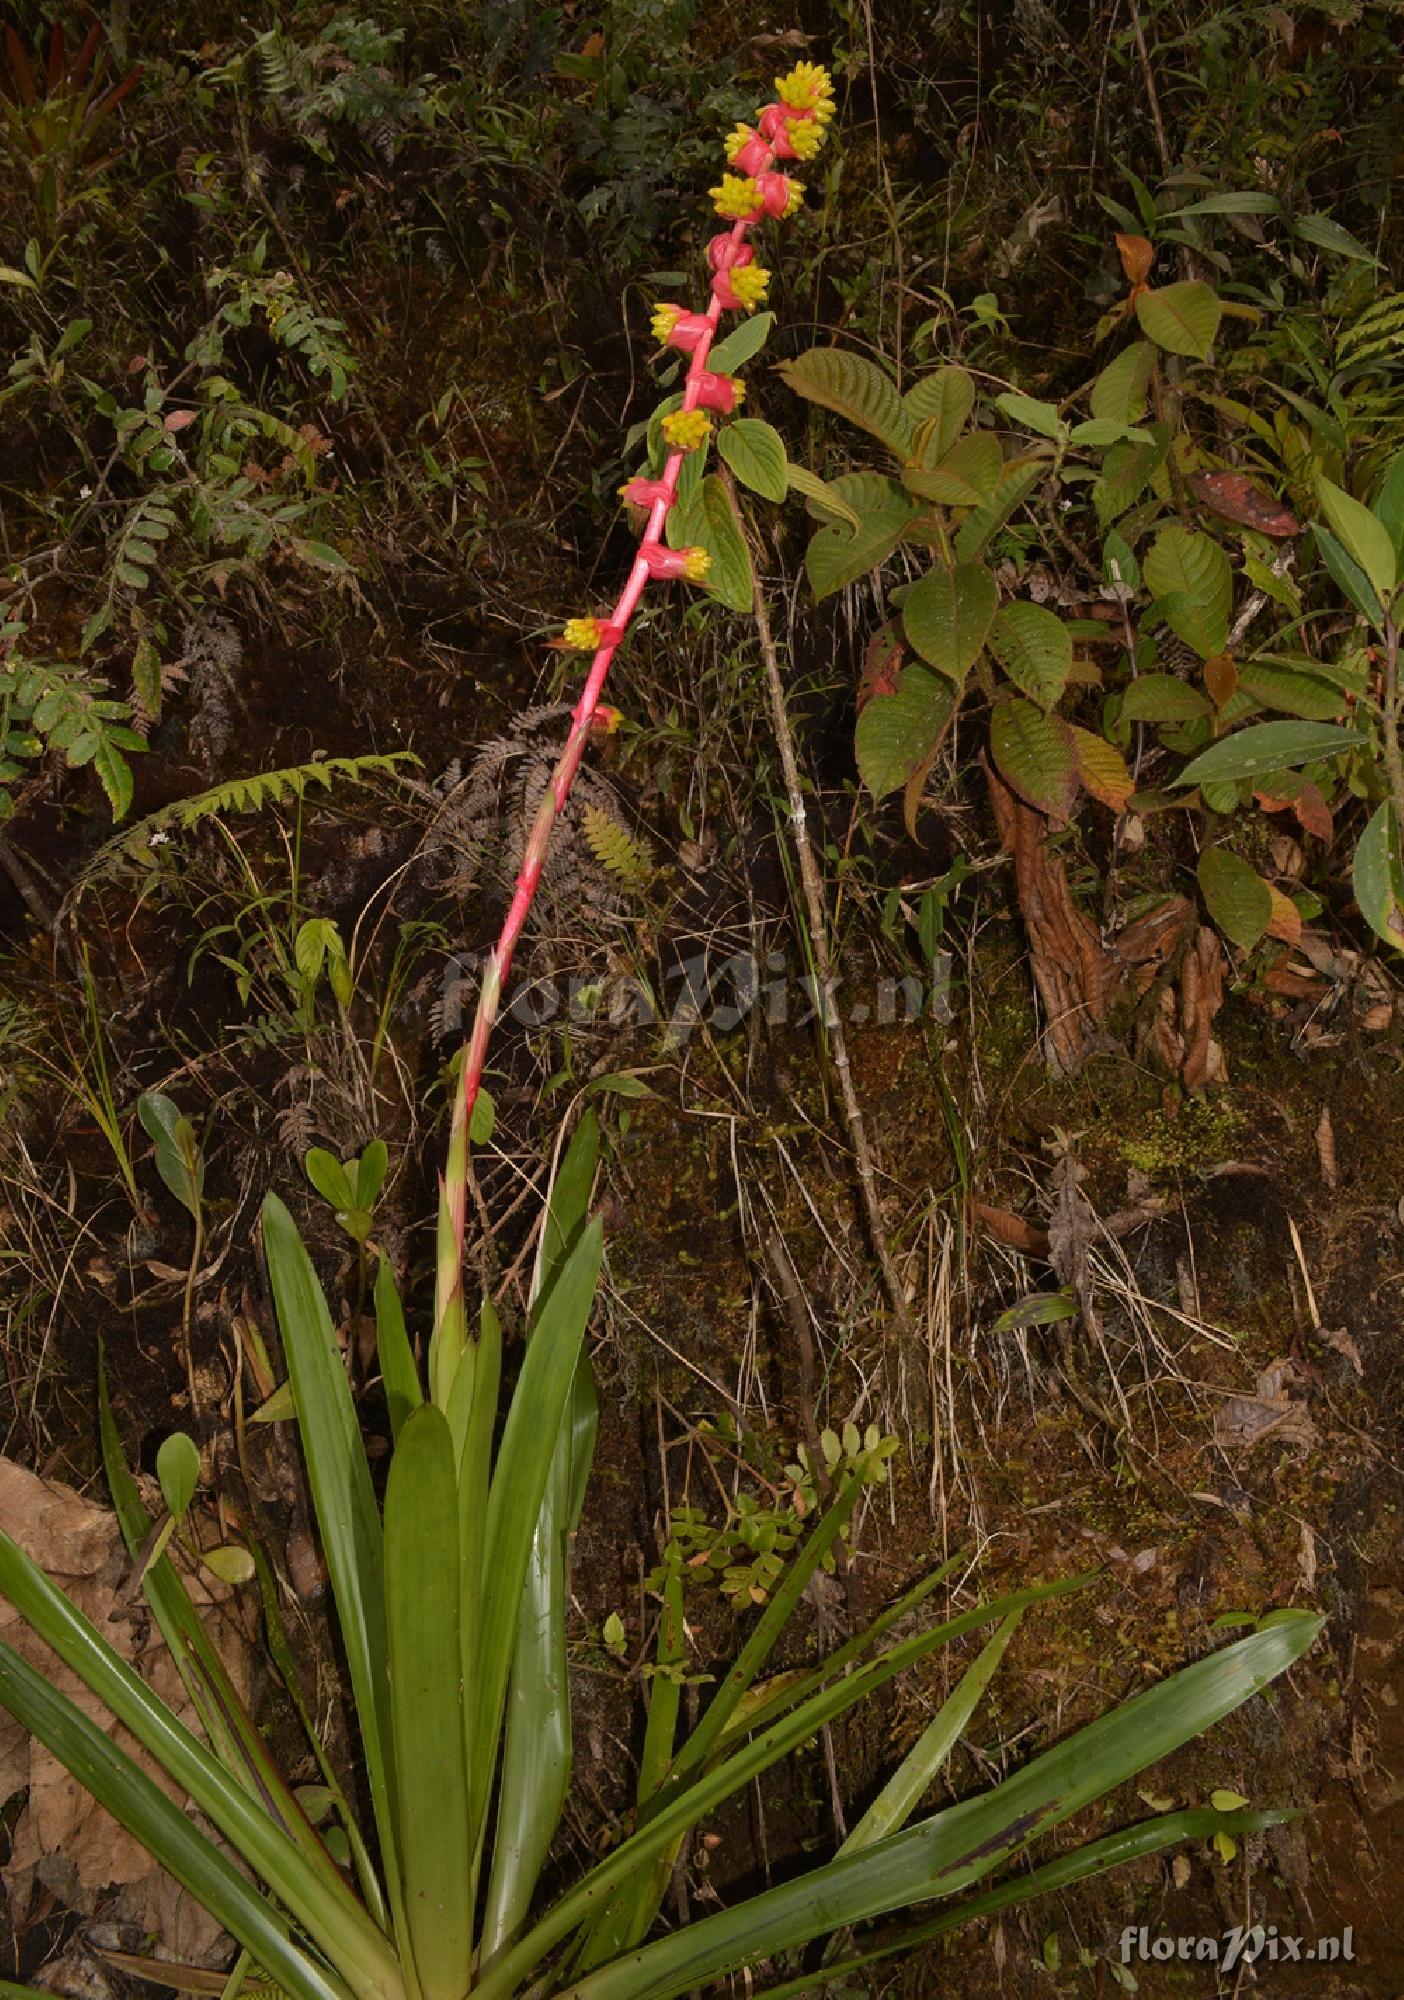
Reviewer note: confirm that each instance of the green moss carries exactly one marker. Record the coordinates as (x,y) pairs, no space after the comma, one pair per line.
(1202,1135)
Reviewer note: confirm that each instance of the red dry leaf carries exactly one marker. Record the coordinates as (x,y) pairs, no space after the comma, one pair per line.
(882,663)
(1236,497)
(1137,256)
(1311,809)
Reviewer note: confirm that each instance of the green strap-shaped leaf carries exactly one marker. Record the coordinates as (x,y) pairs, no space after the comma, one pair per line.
(966,1841)
(347,1516)
(328,1911)
(904,1790)
(140,1805)
(853,387)
(1347,574)
(518,1487)
(427,1708)
(398,1373)
(1367,540)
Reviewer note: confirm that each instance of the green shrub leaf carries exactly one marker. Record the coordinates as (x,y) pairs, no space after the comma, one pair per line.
(1192,571)
(1267,747)
(852,387)
(1182,318)
(968,476)
(1366,539)
(1119,392)
(756,455)
(1235,895)
(730,581)
(1378,876)
(938,408)
(1035,649)
(1163,698)
(836,555)
(1035,755)
(896,732)
(947,617)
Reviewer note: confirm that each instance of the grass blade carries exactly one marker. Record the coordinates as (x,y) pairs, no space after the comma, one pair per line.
(162,1828)
(421,1602)
(953,1848)
(347,1515)
(901,1795)
(518,1489)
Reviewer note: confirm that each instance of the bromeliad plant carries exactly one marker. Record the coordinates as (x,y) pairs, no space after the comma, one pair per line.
(451,1599)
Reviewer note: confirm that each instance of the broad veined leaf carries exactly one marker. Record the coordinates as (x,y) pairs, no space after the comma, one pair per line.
(824,503)
(1102,769)
(852,387)
(1162,698)
(968,475)
(979,528)
(1127,470)
(938,408)
(1192,572)
(1032,415)
(1035,649)
(947,617)
(1307,695)
(1181,318)
(1327,234)
(730,580)
(740,344)
(756,455)
(1119,392)
(1235,895)
(896,732)
(1366,539)
(837,556)
(1035,755)
(1389,505)
(1266,747)
(1349,576)
(1377,876)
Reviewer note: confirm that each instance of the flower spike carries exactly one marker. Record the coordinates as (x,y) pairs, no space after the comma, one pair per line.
(792,128)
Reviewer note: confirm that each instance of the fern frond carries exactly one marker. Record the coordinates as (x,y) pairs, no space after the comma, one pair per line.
(620,853)
(1375,334)
(239,795)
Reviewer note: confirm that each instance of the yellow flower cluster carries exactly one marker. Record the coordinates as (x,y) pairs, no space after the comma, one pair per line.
(750,283)
(665,318)
(807,87)
(806,136)
(741,136)
(583,635)
(737,199)
(686,430)
(697,565)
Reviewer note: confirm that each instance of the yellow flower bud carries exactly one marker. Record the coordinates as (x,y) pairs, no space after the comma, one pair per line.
(750,283)
(741,136)
(697,565)
(807,87)
(806,135)
(686,430)
(736,199)
(583,635)
(665,318)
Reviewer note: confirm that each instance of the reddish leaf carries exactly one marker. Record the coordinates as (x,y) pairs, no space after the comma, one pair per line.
(1237,498)
(1306,801)
(1286,919)
(1220,678)
(1006,1227)
(882,663)
(176,420)
(1137,256)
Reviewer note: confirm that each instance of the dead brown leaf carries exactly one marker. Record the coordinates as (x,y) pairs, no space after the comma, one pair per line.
(1271,1411)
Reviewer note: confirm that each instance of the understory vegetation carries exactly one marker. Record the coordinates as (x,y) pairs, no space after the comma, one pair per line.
(851,1448)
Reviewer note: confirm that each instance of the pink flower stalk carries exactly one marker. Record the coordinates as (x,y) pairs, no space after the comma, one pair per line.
(791,128)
